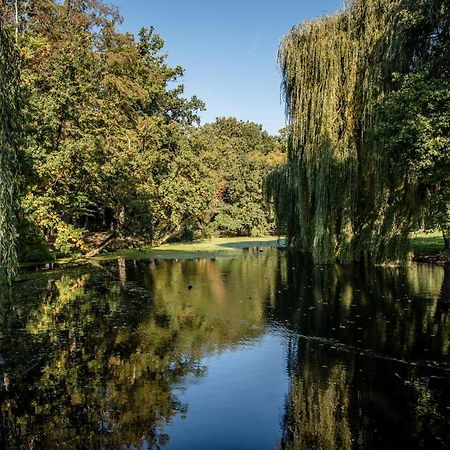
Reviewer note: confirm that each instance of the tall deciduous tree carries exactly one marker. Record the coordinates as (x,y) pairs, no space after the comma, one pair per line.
(105,116)
(414,119)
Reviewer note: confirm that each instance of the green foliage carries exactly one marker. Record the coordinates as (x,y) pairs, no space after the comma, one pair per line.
(31,245)
(414,119)
(112,142)
(105,130)
(69,239)
(241,155)
(416,125)
(340,197)
(9,135)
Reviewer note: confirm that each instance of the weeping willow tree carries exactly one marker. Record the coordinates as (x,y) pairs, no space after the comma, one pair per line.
(9,111)
(337,197)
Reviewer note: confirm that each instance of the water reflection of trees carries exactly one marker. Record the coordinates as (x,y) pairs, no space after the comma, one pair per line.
(220,300)
(368,356)
(91,358)
(75,376)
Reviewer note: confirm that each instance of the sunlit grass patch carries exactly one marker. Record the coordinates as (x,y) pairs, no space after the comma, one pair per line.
(207,248)
(427,242)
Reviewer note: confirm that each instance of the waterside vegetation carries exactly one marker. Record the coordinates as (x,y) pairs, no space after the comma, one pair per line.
(110,147)
(102,150)
(368,101)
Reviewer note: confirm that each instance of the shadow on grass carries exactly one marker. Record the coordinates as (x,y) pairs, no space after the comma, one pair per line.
(429,248)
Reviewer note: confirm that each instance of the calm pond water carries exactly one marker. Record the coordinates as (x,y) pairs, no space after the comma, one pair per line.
(260,352)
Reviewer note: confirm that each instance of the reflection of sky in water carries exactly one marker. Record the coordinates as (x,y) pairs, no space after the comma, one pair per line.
(240,399)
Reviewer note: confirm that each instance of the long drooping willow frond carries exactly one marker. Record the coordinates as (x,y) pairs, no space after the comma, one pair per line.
(9,110)
(336,196)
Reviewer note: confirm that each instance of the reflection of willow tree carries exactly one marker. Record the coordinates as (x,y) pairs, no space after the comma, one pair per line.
(401,312)
(348,402)
(91,361)
(317,415)
(362,361)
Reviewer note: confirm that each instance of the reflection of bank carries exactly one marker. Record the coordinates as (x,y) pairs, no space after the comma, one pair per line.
(359,356)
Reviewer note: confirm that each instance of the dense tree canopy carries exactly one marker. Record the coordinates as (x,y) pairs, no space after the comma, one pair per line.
(340,196)
(112,145)
(241,155)
(104,124)
(414,119)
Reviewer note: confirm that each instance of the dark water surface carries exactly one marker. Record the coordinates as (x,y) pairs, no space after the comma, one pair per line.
(261,352)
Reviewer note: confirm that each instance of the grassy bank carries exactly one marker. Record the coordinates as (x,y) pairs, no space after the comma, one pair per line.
(429,247)
(208,248)
(428,242)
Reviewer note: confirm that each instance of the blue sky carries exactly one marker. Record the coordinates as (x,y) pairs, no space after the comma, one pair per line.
(228,49)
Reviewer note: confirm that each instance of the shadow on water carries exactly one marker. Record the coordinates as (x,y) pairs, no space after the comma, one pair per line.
(97,358)
(368,356)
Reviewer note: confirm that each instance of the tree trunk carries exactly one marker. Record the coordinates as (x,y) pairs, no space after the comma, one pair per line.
(121,218)
(16,7)
(446,236)
(101,246)
(167,236)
